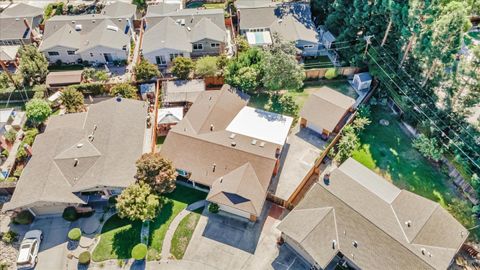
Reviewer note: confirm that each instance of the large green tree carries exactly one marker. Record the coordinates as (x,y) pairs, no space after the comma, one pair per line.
(72,100)
(137,202)
(145,71)
(207,66)
(156,171)
(37,111)
(126,90)
(33,65)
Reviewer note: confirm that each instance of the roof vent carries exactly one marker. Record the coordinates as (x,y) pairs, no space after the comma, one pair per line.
(262,144)
(79,145)
(334,244)
(232,136)
(221,179)
(233,144)
(90,137)
(76,162)
(424,251)
(118,98)
(78,27)
(17,19)
(280,20)
(214,166)
(212,127)
(254,142)
(73,22)
(189,29)
(112,28)
(355,244)
(181,22)
(119,20)
(408,223)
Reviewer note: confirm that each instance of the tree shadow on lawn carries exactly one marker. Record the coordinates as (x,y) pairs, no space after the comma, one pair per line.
(124,240)
(186,195)
(162,217)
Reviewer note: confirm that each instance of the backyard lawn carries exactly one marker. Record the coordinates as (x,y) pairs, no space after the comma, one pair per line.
(388,150)
(119,236)
(184,233)
(260,100)
(176,202)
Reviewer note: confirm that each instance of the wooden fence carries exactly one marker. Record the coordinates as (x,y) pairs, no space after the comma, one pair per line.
(318,73)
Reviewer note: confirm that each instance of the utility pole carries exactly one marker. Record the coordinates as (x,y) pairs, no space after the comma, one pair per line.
(389,27)
(407,50)
(368,41)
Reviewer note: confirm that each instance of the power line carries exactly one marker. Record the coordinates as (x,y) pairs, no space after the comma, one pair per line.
(424,114)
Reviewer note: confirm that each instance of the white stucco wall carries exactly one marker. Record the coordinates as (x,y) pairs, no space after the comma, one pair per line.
(151,56)
(63,55)
(96,54)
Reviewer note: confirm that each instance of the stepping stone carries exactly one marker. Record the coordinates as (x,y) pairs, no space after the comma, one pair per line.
(86,242)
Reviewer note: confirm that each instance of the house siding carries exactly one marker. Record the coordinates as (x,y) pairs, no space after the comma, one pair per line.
(63,55)
(207,48)
(96,54)
(151,56)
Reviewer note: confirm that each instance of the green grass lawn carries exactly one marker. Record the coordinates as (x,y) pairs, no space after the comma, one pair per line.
(321,61)
(65,67)
(184,233)
(176,202)
(388,151)
(118,237)
(260,100)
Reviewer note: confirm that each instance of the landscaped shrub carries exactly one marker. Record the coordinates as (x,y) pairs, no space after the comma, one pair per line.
(30,136)
(21,153)
(11,179)
(213,208)
(84,257)
(139,252)
(331,73)
(24,217)
(9,237)
(70,214)
(112,200)
(10,135)
(5,153)
(90,88)
(74,234)
(18,171)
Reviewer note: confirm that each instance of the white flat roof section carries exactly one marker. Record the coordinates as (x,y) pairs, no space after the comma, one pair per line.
(259,38)
(177,112)
(261,125)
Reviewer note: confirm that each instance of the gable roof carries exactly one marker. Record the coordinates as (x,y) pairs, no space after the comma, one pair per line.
(182,90)
(214,152)
(21,10)
(293,21)
(105,34)
(119,9)
(162,8)
(166,34)
(66,37)
(403,229)
(207,29)
(65,160)
(326,108)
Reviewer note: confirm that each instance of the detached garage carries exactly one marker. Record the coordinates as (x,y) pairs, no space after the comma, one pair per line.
(324,112)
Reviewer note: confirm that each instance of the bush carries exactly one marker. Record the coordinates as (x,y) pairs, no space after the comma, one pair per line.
(24,218)
(145,71)
(9,237)
(11,179)
(84,257)
(30,136)
(139,252)
(70,214)
(126,90)
(74,234)
(90,88)
(10,135)
(112,200)
(207,66)
(18,171)
(182,67)
(213,208)
(21,153)
(331,73)
(5,153)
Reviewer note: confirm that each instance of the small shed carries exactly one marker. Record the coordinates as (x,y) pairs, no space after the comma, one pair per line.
(168,117)
(181,92)
(325,111)
(60,79)
(362,81)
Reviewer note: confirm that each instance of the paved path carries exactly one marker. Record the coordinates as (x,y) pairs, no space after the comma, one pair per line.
(167,241)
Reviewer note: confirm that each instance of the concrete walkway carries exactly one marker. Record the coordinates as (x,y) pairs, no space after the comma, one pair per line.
(167,241)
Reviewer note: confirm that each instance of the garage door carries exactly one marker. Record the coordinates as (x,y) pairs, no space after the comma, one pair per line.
(317,129)
(234,211)
(49,210)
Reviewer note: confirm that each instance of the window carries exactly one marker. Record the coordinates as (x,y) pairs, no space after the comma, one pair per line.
(53,53)
(160,60)
(198,46)
(70,52)
(215,45)
(308,46)
(175,55)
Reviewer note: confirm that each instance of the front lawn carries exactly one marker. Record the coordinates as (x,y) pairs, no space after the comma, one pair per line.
(176,202)
(388,151)
(184,233)
(117,239)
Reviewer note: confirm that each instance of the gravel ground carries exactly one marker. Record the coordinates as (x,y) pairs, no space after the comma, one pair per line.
(8,253)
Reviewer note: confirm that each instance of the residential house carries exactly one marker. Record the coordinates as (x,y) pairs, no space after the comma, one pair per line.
(181,92)
(258,20)
(93,151)
(325,111)
(182,32)
(95,38)
(366,222)
(228,148)
(19,23)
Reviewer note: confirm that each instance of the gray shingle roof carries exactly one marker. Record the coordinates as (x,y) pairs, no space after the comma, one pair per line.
(106,34)
(21,10)
(161,8)
(393,228)
(206,29)
(120,9)
(66,37)
(293,21)
(65,160)
(166,34)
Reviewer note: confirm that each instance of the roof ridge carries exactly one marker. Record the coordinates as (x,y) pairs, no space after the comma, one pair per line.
(329,209)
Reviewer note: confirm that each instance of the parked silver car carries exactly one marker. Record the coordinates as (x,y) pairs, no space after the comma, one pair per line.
(28,253)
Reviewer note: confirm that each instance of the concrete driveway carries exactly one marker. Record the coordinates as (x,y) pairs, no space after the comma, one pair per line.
(53,248)
(303,147)
(226,242)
